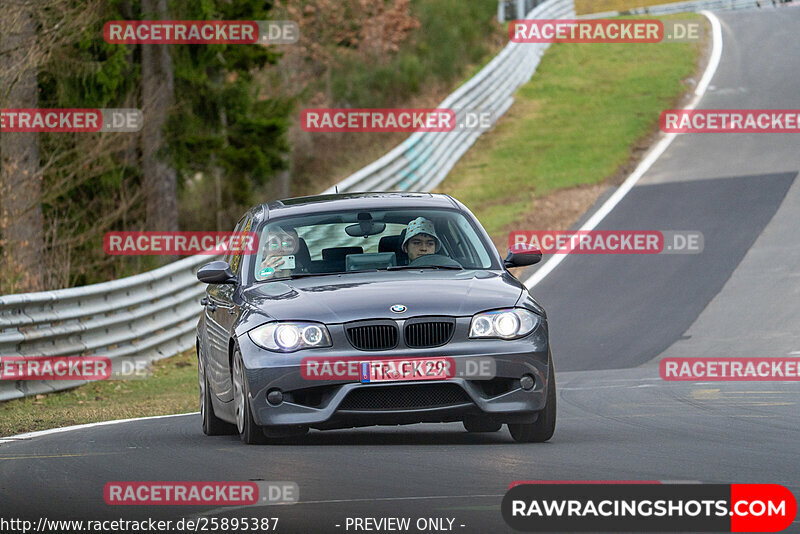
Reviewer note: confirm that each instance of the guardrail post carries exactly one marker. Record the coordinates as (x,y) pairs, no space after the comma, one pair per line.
(520,9)
(501,11)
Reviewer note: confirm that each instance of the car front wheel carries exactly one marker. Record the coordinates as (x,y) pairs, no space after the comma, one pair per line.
(545,425)
(481,425)
(249,431)
(212,425)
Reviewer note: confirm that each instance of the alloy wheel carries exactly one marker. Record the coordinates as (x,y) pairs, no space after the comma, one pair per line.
(238,393)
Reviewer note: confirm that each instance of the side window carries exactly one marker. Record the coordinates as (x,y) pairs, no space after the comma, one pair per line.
(234,259)
(228,257)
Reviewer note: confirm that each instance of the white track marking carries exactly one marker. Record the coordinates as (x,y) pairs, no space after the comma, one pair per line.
(31,435)
(649,160)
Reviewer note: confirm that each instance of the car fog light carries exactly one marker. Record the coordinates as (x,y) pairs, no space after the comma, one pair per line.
(527,382)
(275,397)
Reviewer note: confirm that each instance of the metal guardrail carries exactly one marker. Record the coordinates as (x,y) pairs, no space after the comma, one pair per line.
(147,316)
(690,6)
(699,5)
(515,9)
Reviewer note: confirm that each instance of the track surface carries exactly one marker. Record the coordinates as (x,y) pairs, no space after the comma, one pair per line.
(612,318)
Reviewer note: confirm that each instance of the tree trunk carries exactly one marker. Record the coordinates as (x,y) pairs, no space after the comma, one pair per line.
(21,220)
(283,184)
(160,181)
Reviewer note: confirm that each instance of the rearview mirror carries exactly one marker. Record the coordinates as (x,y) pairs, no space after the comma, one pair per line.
(522,255)
(365,229)
(216,272)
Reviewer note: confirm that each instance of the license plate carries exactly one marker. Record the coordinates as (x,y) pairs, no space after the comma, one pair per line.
(397,370)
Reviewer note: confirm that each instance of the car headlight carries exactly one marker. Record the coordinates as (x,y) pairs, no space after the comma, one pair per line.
(290,336)
(505,324)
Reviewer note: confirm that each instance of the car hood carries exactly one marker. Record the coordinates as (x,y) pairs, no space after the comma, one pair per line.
(335,299)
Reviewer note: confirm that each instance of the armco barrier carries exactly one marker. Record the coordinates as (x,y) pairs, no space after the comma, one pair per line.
(699,5)
(692,6)
(150,315)
(153,315)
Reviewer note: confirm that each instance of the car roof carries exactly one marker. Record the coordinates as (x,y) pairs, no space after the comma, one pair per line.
(355,201)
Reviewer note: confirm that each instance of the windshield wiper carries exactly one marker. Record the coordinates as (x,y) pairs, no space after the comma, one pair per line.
(411,267)
(390,268)
(306,275)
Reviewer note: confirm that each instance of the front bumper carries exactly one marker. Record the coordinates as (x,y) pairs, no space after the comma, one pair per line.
(326,404)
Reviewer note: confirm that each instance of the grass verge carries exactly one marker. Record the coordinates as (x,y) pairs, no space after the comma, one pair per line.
(172,389)
(577,122)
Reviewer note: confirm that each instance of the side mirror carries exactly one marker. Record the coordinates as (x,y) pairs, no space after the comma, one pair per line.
(216,272)
(522,255)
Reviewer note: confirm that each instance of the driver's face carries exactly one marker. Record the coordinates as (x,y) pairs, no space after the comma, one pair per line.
(283,243)
(420,245)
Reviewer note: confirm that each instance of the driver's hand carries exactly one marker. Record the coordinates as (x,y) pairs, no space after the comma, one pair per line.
(273,261)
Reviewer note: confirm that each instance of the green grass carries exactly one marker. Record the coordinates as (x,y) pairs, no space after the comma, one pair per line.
(576,122)
(172,389)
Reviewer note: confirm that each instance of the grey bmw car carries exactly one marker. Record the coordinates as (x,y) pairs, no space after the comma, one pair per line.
(371,309)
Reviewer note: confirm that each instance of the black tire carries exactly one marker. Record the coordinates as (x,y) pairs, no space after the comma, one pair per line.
(212,425)
(474,424)
(249,431)
(545,425)
(284,434)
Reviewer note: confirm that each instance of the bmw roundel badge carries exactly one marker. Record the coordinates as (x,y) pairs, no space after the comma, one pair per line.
(398,308)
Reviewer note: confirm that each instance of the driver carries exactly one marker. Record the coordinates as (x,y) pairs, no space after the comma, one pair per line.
(421,239)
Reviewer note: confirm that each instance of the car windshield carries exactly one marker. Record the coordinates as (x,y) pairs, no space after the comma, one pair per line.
(353,241)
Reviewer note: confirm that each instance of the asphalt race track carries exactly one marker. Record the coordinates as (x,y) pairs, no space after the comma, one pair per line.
(611,317)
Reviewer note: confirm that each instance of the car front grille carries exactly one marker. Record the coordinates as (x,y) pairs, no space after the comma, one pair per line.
(411,397)
(373,336)
(420,334)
